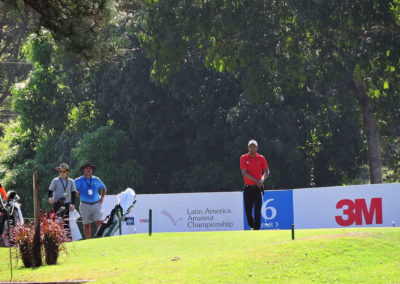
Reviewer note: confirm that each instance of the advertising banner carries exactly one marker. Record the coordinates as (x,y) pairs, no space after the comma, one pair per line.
(188,212)
(347,206)
(276,210)
(330,207)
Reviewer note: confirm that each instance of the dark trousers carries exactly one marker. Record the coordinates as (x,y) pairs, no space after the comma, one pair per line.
(252,198)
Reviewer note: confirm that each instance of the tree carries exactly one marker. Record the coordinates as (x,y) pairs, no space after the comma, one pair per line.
(279,48)
(268,81)
(56,109)
(77,25)
(361,40)
(13,67)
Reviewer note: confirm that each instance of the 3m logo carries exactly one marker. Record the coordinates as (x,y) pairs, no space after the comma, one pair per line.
(357,209)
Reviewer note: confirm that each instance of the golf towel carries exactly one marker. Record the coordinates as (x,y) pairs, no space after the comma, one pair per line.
(75,233)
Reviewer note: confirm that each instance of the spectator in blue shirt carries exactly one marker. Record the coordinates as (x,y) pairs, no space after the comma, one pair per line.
(88,187)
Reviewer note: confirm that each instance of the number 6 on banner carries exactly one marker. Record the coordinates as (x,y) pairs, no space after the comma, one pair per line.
(264,210)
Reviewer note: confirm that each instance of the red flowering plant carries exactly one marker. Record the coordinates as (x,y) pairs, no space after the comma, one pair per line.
(53,236)
(22,237)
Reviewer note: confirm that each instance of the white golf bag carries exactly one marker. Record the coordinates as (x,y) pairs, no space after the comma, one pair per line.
(10,216)
(125,203)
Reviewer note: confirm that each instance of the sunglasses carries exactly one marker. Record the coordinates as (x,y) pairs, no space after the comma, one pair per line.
(62,172)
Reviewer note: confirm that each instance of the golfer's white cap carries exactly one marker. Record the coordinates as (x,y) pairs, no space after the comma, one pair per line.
(253,142)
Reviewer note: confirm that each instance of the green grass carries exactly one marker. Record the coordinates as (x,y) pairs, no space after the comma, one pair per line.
(335,255)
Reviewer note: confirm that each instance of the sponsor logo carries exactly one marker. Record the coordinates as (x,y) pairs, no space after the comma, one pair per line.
(355,211)
(130,221)
(144,220)
(169,216)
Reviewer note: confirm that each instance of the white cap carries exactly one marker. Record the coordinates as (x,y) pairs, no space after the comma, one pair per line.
(253,142)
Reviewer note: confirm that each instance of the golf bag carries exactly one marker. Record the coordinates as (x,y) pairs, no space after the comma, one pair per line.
(125,203)
(10,216)
(3,222)
(61,209)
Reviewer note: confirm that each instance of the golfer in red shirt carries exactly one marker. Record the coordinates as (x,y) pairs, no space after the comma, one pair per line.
(255,171)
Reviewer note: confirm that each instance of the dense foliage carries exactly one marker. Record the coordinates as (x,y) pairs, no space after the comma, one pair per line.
(341,49)
(175,90)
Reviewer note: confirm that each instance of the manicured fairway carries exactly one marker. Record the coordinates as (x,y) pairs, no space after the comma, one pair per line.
(334,255)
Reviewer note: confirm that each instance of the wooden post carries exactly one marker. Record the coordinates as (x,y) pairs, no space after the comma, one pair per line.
(37,257)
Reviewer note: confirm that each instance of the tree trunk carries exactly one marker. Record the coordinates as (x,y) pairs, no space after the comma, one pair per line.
(372,131)
(6,93)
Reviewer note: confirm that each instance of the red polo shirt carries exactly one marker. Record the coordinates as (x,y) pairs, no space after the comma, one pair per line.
(254,166)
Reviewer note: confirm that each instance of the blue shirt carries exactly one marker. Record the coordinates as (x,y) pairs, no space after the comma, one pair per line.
(89,188)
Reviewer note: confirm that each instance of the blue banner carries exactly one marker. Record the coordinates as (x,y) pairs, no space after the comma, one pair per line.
(130,221)
(276,210)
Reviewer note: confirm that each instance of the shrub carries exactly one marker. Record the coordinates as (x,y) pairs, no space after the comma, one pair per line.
(23,237)
(53,236)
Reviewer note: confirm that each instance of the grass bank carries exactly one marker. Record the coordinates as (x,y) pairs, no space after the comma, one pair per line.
(334,255)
